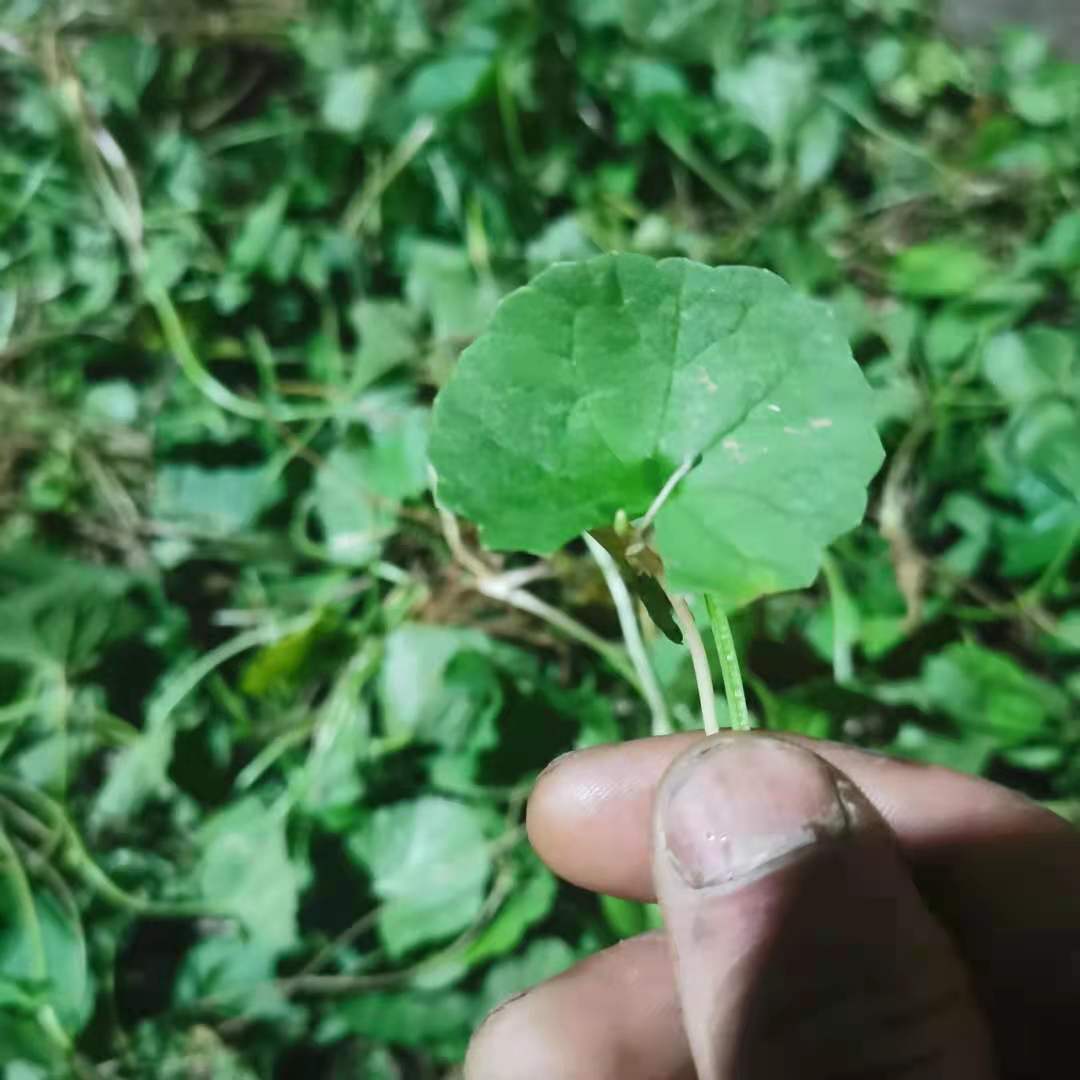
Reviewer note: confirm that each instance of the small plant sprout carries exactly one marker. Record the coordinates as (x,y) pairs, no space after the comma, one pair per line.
(707,427)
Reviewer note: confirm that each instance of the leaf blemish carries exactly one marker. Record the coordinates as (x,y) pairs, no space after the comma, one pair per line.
(773,408)
(734,447)
(821,422)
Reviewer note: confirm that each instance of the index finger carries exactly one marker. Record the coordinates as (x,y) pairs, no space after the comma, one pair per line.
(589,816)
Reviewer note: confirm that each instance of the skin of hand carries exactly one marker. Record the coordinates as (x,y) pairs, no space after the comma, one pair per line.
(829,914)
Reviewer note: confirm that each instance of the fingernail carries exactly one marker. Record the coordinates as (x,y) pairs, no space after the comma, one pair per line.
(739,806)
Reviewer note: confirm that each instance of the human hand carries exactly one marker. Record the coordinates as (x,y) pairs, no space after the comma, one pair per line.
(829,913)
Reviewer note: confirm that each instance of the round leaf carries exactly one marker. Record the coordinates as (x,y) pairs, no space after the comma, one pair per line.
(599,379)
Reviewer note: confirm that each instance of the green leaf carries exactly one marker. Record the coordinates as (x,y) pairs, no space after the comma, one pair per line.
(358,487)
(951,332)
(119,66)
(378,1063)
(1046,438)
(221,501)
(1061,247)
(706,30)
(276,667)
(436,1021)
(785,713)
(1023,50)
(896,394)
(985,691)
(599,379)
(560,241)
(1048,96)
(543,959)
(114,402)
(396,462)
(1038,372)
(59,610)
(258,231)
(971,754)
(1032,543)
(975,523)
(1067,638)
(236,970)
(138,773)
(355,519)
(628,918)
(448,83)
(820,143)
(29,1054)
(940,269)
(413,689)
(348,98)
(244,869)
(771,92)
(530,902)
(442,282)
(330,786)
(464,725)
(387,337)
(1043,758)
(1025,366)
(67,986)
(429,864)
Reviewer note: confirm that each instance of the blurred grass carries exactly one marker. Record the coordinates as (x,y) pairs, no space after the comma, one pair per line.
(247,670)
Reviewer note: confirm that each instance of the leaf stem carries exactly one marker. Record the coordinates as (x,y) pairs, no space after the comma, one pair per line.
(506,588)
(631,632)
(1053,569)
(664,494)
(367,198)
(179,685)
(179,344)
(729,665)
(698,657)
(511,123)
(845,620)
(524,600)
(74,857)
(26,913)
(703,169)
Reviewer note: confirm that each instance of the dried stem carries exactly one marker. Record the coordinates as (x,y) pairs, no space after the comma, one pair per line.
(524,600)
(507,589)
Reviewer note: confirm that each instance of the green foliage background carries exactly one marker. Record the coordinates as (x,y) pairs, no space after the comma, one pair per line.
(266,722)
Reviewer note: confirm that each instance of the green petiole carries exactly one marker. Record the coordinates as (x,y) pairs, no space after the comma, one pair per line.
(729,666)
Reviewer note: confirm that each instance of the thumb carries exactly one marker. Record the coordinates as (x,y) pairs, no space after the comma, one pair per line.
(802,947)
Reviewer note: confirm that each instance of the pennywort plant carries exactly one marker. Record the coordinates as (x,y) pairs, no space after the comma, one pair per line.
(707,425)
